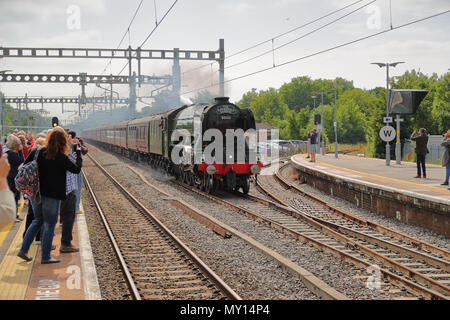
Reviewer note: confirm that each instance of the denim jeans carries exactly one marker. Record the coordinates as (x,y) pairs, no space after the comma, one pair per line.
(447,173)
(45,214)
(421,163)
(79,181)
(67,218)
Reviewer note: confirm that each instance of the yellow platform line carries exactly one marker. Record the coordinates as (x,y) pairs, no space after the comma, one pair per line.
(379,177)
(5,230)
(15,273)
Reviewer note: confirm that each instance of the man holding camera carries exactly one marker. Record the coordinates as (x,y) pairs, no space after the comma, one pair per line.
(421,139)
(67,210)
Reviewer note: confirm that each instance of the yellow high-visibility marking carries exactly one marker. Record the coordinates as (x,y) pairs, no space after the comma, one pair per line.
(15,273)
(381,177)
(5,230)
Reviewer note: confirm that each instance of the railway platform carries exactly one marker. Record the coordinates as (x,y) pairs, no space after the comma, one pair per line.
(74,278)
(388,190)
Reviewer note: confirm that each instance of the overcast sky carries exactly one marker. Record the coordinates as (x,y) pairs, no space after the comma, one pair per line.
(199,24)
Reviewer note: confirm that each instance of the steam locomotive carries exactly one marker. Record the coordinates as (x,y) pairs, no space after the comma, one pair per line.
(201,144)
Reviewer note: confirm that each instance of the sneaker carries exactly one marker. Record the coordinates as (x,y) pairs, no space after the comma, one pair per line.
(417,177)
(444,184)
(51,260)
(24,256)
(424,177)
(69,249)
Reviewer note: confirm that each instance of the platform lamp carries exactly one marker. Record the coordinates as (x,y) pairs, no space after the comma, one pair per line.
(387,65)
(314,109)
(322,143)
(335,83)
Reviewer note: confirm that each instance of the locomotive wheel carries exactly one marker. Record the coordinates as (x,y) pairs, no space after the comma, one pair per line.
(180,174)
(211,184)
(191,179)
(246,187)
(203,184)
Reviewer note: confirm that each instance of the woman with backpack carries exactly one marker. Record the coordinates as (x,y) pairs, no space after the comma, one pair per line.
(53,164)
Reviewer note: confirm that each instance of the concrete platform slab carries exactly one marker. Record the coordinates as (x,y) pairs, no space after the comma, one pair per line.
(389,190)
(74,278)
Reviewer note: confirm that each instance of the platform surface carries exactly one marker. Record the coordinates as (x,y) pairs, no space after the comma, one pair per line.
(74,278)
(374,172)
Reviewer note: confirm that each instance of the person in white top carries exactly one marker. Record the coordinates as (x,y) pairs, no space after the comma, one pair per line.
(7,202)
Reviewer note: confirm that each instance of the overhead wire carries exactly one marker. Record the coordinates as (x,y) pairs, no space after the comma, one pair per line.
(150,34)
(301,37)
(391,28)
(127,31)
(281,35)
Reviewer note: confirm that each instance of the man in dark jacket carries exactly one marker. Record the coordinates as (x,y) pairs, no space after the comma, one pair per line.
(84,151)
(421,139)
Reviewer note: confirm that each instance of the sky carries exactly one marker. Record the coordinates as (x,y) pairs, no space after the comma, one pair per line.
(199,24)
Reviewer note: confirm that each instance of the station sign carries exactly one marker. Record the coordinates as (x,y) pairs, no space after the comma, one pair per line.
(387,133)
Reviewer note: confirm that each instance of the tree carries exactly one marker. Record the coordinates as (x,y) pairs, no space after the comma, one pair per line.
(269,107)
(247,99)
(441,103)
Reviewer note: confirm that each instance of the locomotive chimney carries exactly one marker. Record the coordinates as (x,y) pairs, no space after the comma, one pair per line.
(223,100)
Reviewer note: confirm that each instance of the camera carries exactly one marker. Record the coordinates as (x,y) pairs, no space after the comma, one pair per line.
(76,147)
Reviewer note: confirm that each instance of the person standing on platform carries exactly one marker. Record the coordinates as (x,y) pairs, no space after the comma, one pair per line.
(67,210)
(446,157)
(40,142)
(421,139)
(308,146)
(15,159)
(313,147)
(7,205)
(53,165)
(84,151)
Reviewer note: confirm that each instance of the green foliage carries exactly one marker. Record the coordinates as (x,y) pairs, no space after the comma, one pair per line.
(359,112)
(441,104)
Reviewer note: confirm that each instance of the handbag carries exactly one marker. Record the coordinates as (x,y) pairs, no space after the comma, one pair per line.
(27,179)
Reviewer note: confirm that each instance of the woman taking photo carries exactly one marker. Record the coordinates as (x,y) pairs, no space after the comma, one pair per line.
(53,164)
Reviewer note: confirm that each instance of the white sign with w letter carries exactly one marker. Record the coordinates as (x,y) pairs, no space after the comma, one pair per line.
(387,133)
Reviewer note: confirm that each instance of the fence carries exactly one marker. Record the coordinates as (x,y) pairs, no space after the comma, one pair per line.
(435,155)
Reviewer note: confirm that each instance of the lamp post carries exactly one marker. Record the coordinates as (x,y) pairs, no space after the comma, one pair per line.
(322,143)
(314,112)
(335,119)
(397,146)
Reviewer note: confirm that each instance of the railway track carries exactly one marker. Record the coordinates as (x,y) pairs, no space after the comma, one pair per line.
(364,259)
(155,263)
(350,220)
(421,267)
